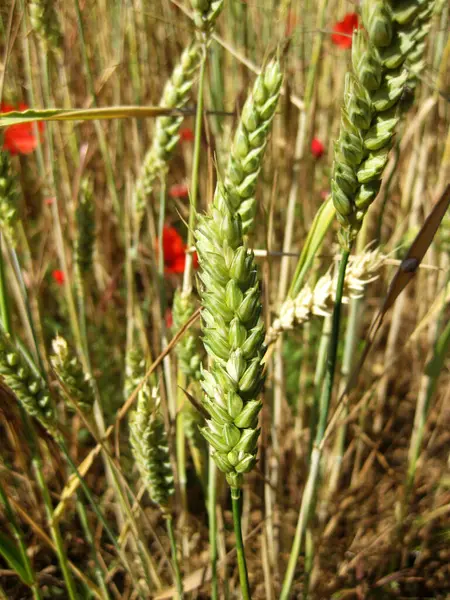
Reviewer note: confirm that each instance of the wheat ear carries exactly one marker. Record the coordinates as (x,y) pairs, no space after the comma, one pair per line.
(45,22)
(28,386)
(175,95)
(187,349)
(233,332)
(150,449)
(68,368)
(8,199)
(319,300)
(384,57)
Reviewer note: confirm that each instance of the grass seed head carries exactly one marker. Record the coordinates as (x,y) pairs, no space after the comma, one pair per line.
(85,217)
(150,448)
(45,22)
(187,349)
(8,199)
(385,56)
(28,386)
(69,370)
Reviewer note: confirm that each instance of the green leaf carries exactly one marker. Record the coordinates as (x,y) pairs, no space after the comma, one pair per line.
(321,224)
(85,114)
(12,555)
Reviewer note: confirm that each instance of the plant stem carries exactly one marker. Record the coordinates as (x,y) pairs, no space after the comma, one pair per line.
(4,305)
(56,534)
(332,354)
(173,548)
(20,540)
(309,493)
(212,498)
(187,277)
(242,565)
(100,575)
(97,511)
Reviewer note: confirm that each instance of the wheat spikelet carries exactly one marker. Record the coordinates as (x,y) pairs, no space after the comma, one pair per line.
(28,386)
(76,383)
(384,58)
(8,199)
(206,13)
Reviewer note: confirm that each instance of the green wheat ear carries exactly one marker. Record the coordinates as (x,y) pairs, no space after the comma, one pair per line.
(386,58)
(187,349)
(85,218)
(150,448)
(28,386)
(8,199)
(76,383)
(45,22)
(233,331)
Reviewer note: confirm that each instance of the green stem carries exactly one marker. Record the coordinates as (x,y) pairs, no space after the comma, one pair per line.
(307,504)
(99,574)
(19,538)
(98,128)
(4,304)
(55,531)
(173,548)
(332,354)
(242,565)
(187,283)
(212,498)
(97,511)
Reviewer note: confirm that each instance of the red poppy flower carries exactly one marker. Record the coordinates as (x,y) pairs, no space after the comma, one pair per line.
(343,30)
(20,138)
(179,190)
(186,134)
(175,251)
(58,276)
(169,318)
(317,148)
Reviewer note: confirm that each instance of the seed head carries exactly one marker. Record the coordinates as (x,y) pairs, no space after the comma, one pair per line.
(28,386)
(8,199)
(77,384)
(150,449)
